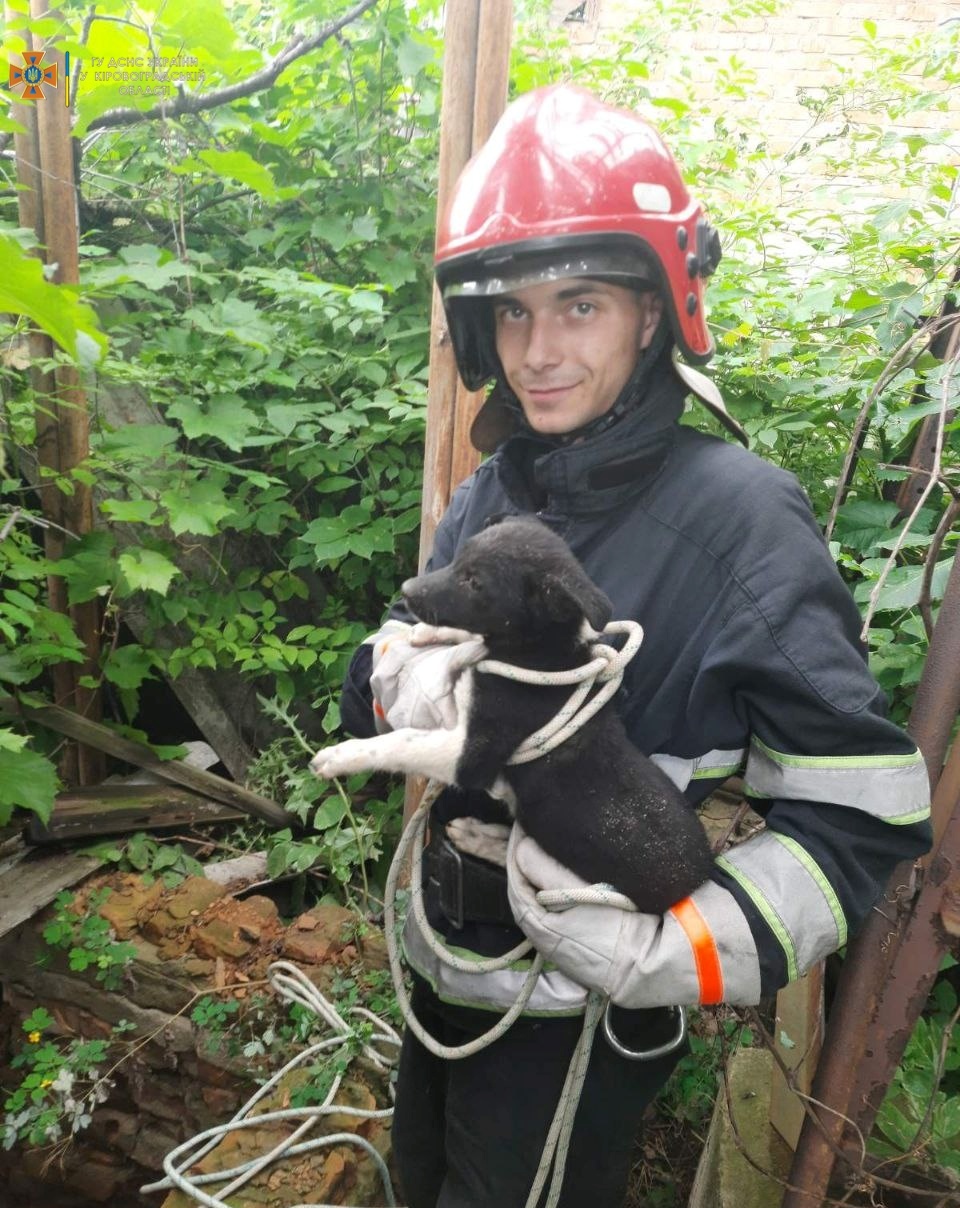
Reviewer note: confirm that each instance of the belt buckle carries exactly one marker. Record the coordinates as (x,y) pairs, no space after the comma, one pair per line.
(450,882)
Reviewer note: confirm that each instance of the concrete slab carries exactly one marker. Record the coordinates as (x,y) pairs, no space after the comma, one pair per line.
(725,1178)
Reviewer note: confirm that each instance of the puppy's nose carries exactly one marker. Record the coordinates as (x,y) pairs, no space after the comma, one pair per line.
(408,587)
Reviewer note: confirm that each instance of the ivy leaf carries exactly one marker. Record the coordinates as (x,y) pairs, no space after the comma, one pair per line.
(89,568)
(135,511)
(366,300)
(128,666)
(226,417)
(9,741)
(27,781)
(198,509)
(863,524)
(412,56)
(234,317)
(199,24)
(901,589)
(147,570)
(138,441)
(153,266)
(285,416)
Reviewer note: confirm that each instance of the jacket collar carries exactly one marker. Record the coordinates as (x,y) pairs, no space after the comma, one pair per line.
(604,471)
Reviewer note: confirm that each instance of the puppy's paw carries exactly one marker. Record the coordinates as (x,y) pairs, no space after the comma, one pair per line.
(488,840)
(344,759)
(438,635)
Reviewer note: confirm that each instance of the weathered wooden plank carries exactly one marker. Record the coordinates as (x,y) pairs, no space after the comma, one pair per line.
(799,1038)
(62,721)
(30,880)
(112,809)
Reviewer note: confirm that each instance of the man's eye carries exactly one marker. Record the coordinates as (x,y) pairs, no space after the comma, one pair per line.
(584,308)
(510,313)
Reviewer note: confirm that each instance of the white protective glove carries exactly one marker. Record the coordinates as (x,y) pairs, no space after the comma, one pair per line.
(414,670)
(700,951)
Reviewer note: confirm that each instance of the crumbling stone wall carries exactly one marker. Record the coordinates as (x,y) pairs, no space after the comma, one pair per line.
(179,1080)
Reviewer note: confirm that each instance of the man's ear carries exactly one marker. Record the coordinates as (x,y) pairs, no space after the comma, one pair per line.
(652,311)
(571,595)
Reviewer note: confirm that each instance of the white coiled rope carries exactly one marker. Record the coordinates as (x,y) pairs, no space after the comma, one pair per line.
(293,986)
(604,672)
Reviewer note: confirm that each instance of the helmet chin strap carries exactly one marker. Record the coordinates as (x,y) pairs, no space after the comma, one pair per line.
(630,397)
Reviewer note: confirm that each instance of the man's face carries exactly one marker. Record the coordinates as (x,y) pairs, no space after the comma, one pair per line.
(568,347)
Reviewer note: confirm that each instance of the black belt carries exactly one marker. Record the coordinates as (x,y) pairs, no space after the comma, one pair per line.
(467,889)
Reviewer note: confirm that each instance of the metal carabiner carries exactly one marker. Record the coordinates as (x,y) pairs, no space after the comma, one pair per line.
(661,1050)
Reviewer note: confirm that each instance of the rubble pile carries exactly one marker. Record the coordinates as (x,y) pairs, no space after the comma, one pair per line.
(177,1077)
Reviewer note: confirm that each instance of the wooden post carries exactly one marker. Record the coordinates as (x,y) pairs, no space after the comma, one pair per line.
(476,67)
(475,73)
(48,203)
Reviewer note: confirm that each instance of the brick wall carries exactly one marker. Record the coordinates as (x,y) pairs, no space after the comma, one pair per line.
(802,48)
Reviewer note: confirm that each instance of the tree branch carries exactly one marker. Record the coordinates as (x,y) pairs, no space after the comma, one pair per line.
(185,102)
(952,361)
(944,527)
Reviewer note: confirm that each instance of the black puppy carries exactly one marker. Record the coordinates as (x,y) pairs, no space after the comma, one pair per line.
(594,803)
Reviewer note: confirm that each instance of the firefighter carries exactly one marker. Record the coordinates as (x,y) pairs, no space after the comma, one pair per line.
(572,261)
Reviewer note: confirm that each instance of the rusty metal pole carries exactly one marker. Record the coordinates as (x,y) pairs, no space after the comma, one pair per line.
(910,980)
(875,992)
(476,65)
(63,432)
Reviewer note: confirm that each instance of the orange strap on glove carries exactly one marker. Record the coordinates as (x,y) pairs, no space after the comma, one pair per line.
(701,951)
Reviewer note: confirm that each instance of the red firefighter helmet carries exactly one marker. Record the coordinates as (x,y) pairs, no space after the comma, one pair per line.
(567,186)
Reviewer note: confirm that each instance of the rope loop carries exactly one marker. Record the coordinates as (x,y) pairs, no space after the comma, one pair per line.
(605,669)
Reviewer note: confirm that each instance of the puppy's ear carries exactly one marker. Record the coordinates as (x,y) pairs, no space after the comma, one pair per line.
(570,595)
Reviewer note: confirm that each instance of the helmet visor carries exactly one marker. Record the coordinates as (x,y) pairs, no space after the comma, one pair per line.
(490,277)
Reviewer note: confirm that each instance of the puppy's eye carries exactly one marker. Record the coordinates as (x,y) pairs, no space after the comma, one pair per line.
(471,582)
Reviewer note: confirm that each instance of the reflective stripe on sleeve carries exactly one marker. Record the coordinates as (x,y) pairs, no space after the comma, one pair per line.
(705,954)
(717,764)
(793,895)
(895,788)
(554,993)
(714,765)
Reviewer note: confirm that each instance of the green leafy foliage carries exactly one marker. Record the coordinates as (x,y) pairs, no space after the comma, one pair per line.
(352,828)
(263,274)
(53,308)
(920,1115)
(64,1081)
(150,857)
(62,1085)
(88,938)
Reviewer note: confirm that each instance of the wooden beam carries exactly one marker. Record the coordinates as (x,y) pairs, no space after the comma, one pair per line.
(48,203)
(476,64)
(98,736)
(476,68)
(30,212)
(118,809)
(30,880)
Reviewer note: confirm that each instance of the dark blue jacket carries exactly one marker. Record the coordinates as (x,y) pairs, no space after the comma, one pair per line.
(751,661)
